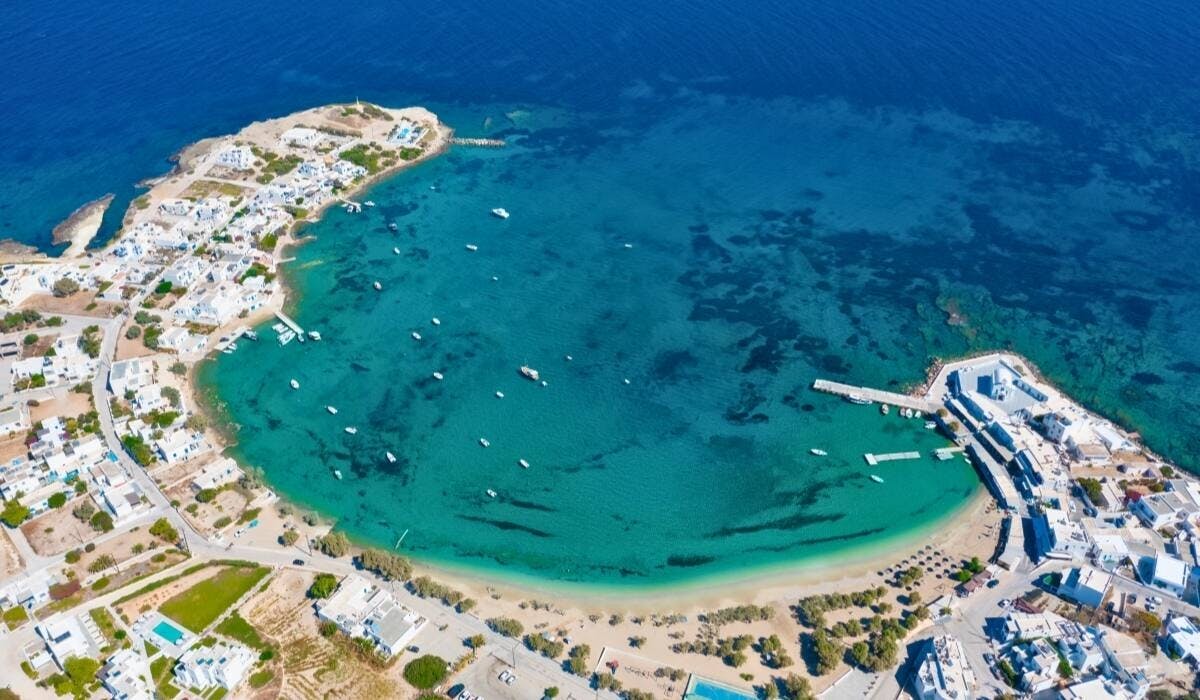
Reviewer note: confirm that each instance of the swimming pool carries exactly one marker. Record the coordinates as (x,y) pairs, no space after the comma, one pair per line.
(169,632)
(704,689)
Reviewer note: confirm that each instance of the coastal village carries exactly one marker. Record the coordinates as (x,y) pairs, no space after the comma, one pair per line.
(137,561)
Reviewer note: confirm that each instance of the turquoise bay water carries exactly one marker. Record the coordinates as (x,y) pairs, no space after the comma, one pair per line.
(700,465)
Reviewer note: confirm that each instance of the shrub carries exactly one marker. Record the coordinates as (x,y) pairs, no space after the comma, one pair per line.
(506,626)
(13,513)
(425,672)
(392,567)
(163,530)
(335,544)
(57,500)
(102,522)
(323,586)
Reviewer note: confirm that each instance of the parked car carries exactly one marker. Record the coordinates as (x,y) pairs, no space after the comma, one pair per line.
(297,562)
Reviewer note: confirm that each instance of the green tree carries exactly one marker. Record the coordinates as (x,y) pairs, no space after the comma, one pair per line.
(65,287)
(577,659)
(551,692)
(57,500)
(323,586)
(392,567)
(289,538)
(13,513)
(506,626)
(102,521)
(425,672)
(163,530)
(476,642)
(334,544)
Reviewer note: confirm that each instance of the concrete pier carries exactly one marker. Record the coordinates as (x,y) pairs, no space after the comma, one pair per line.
(876,395)
(287,321)
(874,459)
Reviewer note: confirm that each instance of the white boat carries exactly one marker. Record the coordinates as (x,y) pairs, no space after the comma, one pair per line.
(484,442)
(315,335)
(544,383)
(416,335)
(232,346)
(287,337)
(569,358)
(393,227)
(491,493)
(251,335)
(338,473)
(279,328)
(436,321)
(227,351)
(877,479)
(884,408)
(495,278)
(625,381)
(351,429)
(331,409)
(500,212)
(930,425)
(368,203)
(524,464)
(628,245)
(529,373)
(390,457)
(377,286)
(472,247)
(295,384)
(395,251)
(438,376)
(819,452)
(499,394)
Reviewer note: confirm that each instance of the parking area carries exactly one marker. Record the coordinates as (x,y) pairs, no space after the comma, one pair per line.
(492,677)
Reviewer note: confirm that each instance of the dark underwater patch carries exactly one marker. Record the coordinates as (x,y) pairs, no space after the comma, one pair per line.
(507,525)
(1141,221)
(688,561)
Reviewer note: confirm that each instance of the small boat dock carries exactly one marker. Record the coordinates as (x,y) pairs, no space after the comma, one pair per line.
(479,143)
(287,321)
(945,453)
(876,395)
(874,459)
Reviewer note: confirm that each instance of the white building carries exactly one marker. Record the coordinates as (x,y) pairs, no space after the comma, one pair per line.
(361,609)
(1036,665)
(149,398)
(1086,586)
(128,375)
(221,472)
(236,157)
(30,592)
(1159,509)
(180,445)
(122,501)
(944,673)
(1169,574)
(1061,427)
(1183,639)
(1059,537)
(223,664)
(70,635)
(14,419)
(301,136)
(127,676)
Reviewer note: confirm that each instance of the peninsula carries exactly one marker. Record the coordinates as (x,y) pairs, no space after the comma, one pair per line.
(140,560)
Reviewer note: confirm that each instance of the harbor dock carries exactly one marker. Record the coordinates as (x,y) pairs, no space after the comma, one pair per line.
(874,459)
(287,321)
(876,395)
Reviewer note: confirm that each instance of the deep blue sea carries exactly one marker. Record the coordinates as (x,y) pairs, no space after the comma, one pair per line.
(812,189)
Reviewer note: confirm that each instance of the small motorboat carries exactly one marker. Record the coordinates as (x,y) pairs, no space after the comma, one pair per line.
(338,473)
(438,376)
(390,457)
(472,247)
(315,335)
(884,408)
(352,430)
(819,452)
(545,383)
(628,245)
(368,203)
(395,251)
(484,442)
(495,278)
(524,464)
(378,287)
(331,409)
(930,425)
(416,335)
(499,394)
(491,493)
(877,479)
(436,321)
(625,380)
(500,213)
(393,227)
(529,373)
(295,384)
(569,358)
(251,335)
